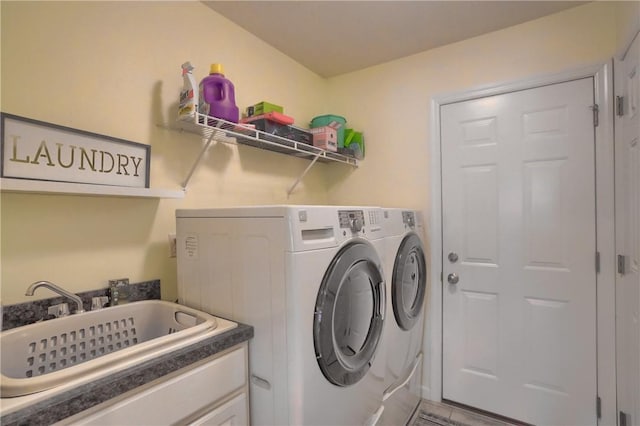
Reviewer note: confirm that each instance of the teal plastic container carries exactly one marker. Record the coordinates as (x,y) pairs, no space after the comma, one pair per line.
(327,119)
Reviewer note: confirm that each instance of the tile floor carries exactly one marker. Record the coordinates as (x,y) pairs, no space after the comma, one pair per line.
(441,414)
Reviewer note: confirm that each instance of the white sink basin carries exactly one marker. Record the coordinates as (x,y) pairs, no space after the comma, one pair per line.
(52,353)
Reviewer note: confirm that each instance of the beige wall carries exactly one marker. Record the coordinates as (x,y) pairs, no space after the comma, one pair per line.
(392,101)
(114,68)
(627,24)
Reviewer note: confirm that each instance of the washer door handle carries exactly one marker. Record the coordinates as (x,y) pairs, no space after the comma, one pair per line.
(453,278)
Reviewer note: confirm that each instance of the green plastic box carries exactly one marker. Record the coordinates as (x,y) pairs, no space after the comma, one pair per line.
(327,120)
(265,107)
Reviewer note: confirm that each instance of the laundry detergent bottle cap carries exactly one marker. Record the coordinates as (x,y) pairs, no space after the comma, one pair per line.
(216,69)
(217,96)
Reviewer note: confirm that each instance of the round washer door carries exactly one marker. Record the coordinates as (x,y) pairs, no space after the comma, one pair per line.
(348,316)
(409,282)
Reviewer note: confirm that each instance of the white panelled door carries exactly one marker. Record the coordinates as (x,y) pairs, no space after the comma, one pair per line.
(627,148)
(519,244)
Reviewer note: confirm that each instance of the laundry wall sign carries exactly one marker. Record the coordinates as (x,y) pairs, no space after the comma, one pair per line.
(37,150)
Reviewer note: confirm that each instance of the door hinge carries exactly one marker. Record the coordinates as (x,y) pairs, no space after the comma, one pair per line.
(619,106)
(597,262)
(598,407)
(622,264)
(595,108)
(623,419)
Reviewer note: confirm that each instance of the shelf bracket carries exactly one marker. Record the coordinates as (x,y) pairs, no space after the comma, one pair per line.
(197,162)
(292,187)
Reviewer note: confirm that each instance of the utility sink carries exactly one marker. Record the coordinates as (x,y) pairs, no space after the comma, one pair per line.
(52,353)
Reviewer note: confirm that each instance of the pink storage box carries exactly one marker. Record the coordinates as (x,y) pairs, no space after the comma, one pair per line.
(325,137)
(271,116)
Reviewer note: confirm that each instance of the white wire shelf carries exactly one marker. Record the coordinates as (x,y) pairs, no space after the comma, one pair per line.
(216,129)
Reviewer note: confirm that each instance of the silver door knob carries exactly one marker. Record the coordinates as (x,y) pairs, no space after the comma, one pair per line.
(453,257)
(453,278)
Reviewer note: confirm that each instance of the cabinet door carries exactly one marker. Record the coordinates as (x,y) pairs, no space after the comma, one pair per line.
(232,413)
(175,399)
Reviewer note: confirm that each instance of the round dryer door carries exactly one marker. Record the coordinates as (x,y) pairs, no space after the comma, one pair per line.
(409,282)
(348,315)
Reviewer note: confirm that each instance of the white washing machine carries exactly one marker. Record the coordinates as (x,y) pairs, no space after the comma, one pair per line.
(406,276)
(309,279)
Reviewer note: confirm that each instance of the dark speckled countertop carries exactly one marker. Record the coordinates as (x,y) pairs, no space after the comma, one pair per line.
(68,403)
(85,396)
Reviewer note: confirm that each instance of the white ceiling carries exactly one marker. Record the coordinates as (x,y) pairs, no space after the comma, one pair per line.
(336,37)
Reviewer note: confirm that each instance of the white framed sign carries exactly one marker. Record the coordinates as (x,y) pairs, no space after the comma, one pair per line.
(37,150)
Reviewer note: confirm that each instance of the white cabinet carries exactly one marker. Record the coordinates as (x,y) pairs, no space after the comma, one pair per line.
(211,392)
(232,413)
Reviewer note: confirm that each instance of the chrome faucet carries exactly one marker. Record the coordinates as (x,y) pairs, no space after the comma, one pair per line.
(57,289)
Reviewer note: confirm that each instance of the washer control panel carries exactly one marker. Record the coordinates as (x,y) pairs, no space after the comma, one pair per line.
(351,219)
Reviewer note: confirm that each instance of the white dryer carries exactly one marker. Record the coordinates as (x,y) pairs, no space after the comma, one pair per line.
(309,279)
(406,276)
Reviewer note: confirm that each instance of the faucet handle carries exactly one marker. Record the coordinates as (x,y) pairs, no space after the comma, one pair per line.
(60,310)
(114,295)
(119,291)
(99,302)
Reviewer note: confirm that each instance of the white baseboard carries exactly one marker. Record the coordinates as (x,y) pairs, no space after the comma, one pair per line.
(426,392)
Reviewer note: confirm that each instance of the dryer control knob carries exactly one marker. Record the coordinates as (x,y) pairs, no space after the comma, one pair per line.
(411,222)
(356,225)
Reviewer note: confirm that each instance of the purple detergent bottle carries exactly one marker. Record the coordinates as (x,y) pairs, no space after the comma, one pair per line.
(217,96)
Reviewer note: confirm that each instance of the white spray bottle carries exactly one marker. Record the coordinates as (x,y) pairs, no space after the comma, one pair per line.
(188,95)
